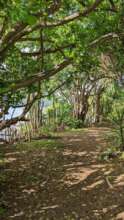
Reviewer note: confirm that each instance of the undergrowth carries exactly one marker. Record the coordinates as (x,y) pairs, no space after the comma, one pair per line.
(39,144)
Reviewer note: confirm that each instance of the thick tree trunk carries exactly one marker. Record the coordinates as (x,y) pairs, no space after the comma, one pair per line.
(83,110)
(98,105)
(98,108)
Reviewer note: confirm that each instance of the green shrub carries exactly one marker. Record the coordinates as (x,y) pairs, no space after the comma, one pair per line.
(73,123)
(109,153)
(117,119)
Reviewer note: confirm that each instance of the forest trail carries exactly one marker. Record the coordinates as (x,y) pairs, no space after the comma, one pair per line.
(69,183)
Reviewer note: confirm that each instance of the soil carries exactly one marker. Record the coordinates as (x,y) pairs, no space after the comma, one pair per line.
(69,183)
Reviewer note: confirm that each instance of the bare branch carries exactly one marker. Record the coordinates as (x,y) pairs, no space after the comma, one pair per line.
(105,37)
(7,123)
(69,18)
(50,50)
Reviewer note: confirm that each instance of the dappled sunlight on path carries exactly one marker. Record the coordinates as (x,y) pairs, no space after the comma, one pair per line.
(66,184)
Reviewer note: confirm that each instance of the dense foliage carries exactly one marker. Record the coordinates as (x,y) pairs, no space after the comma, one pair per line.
(73,49)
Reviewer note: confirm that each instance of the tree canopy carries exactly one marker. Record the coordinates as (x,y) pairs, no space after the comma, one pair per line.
(42,40)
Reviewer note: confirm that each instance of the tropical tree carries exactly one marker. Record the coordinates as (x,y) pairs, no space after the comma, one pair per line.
(41,38)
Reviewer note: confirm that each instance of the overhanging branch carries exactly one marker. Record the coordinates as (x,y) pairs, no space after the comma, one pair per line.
(69,18)
(106,37)
(15,85)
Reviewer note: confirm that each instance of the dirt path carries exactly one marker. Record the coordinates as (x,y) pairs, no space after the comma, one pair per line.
(65,184)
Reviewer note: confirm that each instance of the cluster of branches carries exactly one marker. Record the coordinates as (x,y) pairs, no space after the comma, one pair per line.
(20,33)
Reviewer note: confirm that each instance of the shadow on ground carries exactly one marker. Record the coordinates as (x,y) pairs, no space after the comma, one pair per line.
(64,184)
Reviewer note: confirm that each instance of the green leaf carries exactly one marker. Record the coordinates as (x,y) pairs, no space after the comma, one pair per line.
(30,19)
